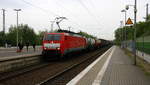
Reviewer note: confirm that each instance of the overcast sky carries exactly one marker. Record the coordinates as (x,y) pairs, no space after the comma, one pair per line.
(97,17)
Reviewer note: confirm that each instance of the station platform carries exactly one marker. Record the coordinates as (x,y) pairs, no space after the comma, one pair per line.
(114,67)
(11,53)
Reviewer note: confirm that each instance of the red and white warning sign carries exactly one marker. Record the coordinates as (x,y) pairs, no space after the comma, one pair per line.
(129,21)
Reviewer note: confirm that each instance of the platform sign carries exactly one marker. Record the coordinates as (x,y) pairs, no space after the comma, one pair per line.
(129,21)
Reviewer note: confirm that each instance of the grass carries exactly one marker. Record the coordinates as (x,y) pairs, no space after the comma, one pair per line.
(145,66)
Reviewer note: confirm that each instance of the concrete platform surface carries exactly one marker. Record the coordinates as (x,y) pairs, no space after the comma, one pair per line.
(121,71)
(114,67)
(9,53)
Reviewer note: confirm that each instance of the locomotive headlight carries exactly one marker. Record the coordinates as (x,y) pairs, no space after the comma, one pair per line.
(58,48)
(45,48)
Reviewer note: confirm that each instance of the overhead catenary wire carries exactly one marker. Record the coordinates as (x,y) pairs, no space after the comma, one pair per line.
(92,5)
(88,11)
(46,11)
(54,14)
(69,12)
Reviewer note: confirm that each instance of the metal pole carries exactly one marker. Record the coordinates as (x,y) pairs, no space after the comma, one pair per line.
(69,28)
(125,17)
(3,21)
(17,30)
(52,22)
(143,45)
(121,25)
(17,26)
(135,14)
(125,29)
(147,12)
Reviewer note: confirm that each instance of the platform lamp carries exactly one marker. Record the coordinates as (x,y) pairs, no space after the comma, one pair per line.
(124,10)
(135,16)
(17,10)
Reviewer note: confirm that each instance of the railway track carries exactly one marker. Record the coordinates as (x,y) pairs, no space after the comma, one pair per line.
(8,75)
(51,79)
(66,75)
(51,72)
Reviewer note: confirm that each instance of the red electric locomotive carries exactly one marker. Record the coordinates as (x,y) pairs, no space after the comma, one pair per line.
(57,45)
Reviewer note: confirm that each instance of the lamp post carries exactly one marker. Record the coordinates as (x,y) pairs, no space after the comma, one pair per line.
(124,24)
(147,12)
(125,15)
(135,16)
(121,39)
(69,28)
(3,21)
(17,10)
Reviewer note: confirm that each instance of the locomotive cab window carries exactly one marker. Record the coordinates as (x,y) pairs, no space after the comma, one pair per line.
(53,37)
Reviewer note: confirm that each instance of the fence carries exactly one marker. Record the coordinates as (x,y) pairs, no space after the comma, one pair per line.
(143,44)
(143,47)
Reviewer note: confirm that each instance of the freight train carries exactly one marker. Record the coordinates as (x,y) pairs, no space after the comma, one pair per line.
(58,45)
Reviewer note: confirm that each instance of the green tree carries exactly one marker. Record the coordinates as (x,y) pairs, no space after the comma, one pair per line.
(26,34)
(40,37)
(118,35)
(142,29)
(2,38)
(86,35)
